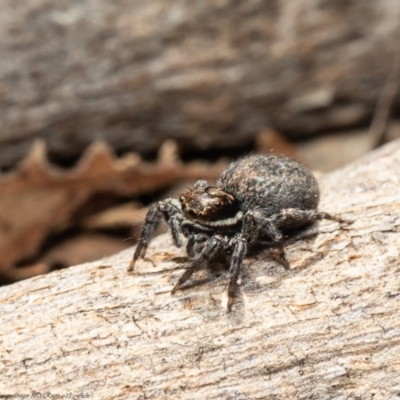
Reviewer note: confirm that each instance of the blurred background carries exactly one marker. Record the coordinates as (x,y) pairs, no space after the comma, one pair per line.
(109,106)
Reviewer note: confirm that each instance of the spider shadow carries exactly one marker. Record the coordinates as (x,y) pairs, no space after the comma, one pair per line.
(216,276)
(180,259)
(215,272)
(218,273)
(265,251)
(210,306)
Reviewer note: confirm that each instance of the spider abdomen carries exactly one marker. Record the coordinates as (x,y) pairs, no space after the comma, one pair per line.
(270,184)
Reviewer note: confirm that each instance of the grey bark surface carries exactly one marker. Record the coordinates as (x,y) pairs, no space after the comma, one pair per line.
(328,329)
(208,75)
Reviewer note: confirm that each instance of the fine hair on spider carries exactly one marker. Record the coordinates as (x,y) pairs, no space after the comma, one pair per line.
(256,200)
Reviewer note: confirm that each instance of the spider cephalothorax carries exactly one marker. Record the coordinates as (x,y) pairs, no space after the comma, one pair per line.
(209,205)
(256,200)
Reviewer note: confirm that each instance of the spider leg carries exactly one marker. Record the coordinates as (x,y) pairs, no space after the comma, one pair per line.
(299,217)
(255,224)
(288,218)
(210,248)
(170,210)
(195,244)
(239,252)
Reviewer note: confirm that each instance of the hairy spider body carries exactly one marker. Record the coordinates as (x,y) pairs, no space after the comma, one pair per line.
(256,200)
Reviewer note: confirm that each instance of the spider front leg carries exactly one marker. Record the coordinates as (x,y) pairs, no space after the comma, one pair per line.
(213,244)
(171,211)
(239,252)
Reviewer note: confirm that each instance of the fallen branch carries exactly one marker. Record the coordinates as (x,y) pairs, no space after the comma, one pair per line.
(327,329)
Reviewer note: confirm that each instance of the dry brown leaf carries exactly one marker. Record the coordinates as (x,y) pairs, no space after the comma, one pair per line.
(84,248)
(123,216)
(39,198)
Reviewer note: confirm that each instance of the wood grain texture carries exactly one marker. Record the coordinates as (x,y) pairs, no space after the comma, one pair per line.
(134,73)
(328,329)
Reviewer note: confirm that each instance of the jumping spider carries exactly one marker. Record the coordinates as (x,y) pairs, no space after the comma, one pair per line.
(255,201)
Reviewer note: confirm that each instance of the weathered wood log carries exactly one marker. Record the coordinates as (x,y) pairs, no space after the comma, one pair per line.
(329,328)
(136,72)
